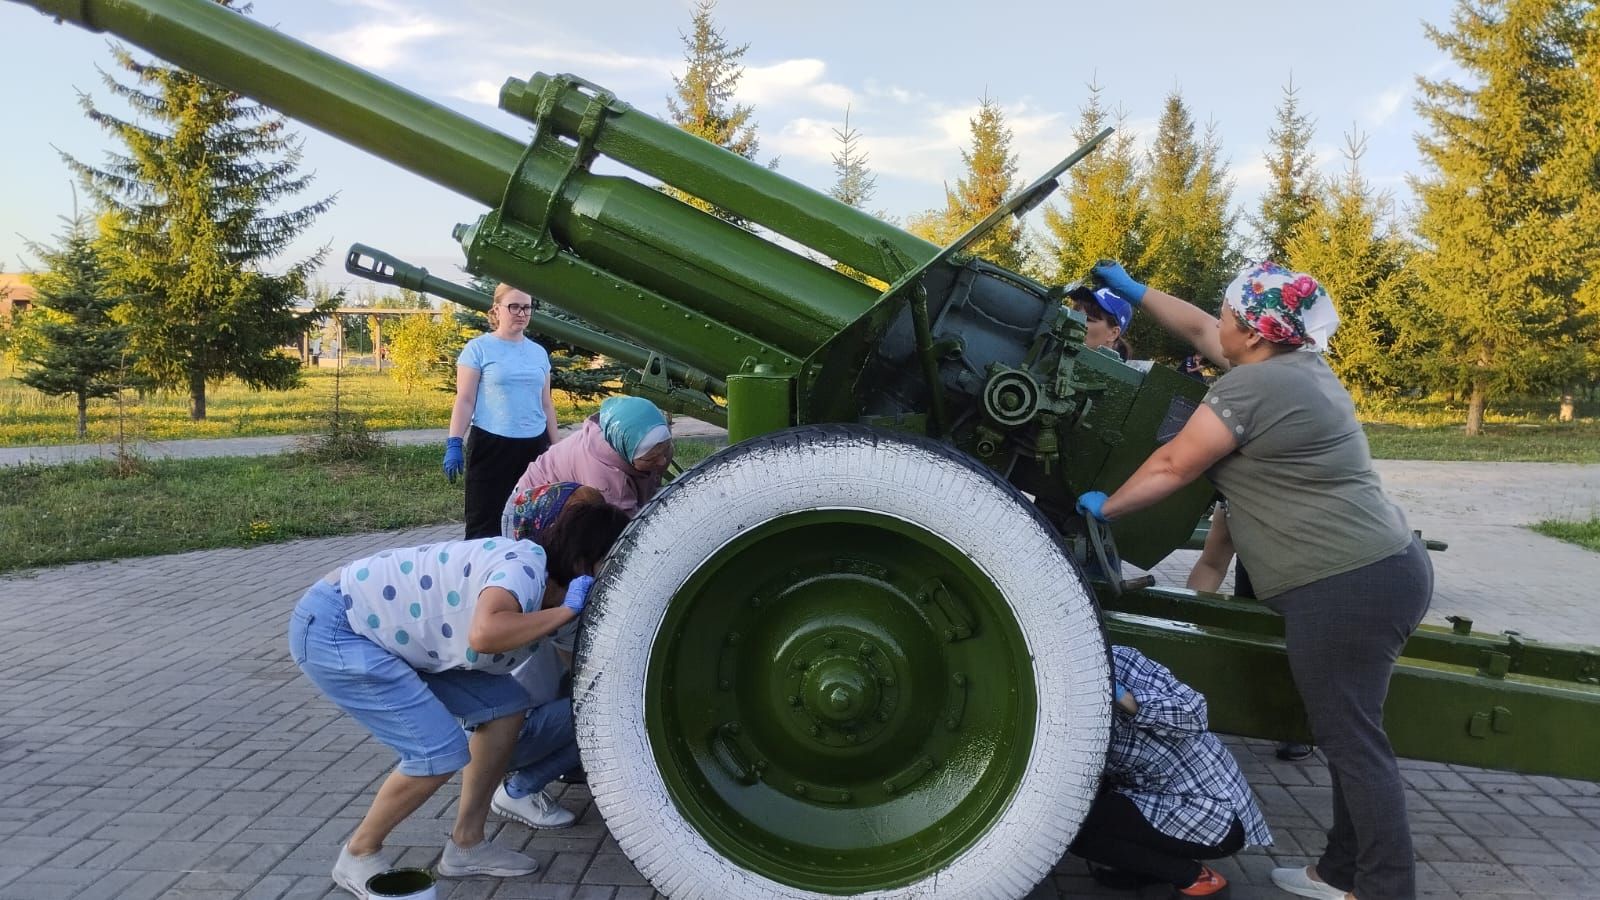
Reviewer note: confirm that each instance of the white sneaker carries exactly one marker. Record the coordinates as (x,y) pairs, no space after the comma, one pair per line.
(1298,881)
(537,810)
(352,872)
(485,858)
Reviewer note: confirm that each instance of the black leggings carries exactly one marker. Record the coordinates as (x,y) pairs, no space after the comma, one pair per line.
(494,464)
(1116,834)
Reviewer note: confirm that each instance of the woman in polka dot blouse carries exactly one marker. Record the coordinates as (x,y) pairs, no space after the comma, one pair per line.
(416,642)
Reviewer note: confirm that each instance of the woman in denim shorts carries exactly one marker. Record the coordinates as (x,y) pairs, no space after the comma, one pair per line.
(416,642)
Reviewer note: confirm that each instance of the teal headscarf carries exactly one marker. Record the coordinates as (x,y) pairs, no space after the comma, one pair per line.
(627,421)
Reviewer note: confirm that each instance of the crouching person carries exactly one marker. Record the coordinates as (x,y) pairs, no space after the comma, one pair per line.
(576,532)
(1172,793)
(415,642)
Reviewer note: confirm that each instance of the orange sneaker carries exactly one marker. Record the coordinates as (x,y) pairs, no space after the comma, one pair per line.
(1209,884)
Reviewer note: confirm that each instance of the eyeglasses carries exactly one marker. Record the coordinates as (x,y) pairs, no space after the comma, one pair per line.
(518,309)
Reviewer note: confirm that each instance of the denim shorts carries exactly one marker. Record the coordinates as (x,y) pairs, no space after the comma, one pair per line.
(419,715)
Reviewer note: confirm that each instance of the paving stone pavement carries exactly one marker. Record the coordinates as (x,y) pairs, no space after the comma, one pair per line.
(156,741)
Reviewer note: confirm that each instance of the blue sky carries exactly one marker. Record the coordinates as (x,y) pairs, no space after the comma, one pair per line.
(911,73)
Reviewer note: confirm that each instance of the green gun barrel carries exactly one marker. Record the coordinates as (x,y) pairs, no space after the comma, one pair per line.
(332,96)
(783,303)
(383,268)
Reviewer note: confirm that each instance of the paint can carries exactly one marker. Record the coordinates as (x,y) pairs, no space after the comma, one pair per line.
(402,884)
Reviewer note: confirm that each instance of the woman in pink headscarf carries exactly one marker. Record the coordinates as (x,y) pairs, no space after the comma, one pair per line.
(1326,548)
(622,451)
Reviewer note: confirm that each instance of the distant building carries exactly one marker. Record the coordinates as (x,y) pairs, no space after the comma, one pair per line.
(16,293)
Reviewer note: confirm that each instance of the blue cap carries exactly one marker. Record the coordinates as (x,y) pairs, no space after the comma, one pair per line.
(1116,307)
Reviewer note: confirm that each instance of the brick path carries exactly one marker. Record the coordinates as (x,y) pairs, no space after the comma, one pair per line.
(156,741)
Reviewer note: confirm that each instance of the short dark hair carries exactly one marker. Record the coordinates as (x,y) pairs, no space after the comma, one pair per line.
(580,537)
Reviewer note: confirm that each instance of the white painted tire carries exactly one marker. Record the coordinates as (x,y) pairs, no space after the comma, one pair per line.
(848,468)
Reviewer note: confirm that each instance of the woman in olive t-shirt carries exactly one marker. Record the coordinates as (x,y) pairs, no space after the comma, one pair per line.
(1325,547)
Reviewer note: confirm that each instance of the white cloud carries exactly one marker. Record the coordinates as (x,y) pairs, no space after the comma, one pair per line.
(1382,108)
(792,81)
(382,44)
(481,91)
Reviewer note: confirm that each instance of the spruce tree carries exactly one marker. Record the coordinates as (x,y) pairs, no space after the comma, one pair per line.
(1352,245)
(194,199)
(1104,200)
(1188,230)
(703,101)
(1507,197)
(854,184)
(1291,195)
(991,170)
(77,348)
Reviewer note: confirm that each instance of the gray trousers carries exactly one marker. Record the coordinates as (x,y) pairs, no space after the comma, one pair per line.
(1343,634)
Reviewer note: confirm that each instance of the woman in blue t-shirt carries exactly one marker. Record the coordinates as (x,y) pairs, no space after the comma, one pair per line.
(503,414)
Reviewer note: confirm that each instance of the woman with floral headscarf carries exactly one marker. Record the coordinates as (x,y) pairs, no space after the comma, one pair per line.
(1326,548)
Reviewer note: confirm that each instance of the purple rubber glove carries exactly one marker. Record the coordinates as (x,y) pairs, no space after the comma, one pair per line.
(454,462)
(1091,504)
(1111,274)
(578,593)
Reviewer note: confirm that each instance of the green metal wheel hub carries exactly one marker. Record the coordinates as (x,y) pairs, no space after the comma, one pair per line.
(840,700)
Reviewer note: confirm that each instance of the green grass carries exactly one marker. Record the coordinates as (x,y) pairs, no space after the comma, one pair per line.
(1567,442)
(1515,430)
(29,418)
(78,512)
(1584,534)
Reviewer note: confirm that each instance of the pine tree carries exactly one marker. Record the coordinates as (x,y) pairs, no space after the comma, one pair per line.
(1508,210)
(77,349)
(1188,231)
(854,183)
(1104,199)
(1292,194)
(703,99)
(991,169)
(1350,242)
(193,200)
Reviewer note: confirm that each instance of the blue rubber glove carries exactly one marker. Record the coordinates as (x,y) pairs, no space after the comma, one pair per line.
(1120,690)
(454,462)
(578,593)
(1090,505)
(1112,275)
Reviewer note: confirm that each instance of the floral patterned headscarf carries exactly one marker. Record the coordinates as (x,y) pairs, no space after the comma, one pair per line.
(1282,306)
(537,508)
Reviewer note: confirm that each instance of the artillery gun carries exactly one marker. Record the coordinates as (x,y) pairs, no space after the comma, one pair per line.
(855,652)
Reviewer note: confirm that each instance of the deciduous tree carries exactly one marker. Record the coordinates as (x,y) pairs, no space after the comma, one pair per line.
(423,351)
